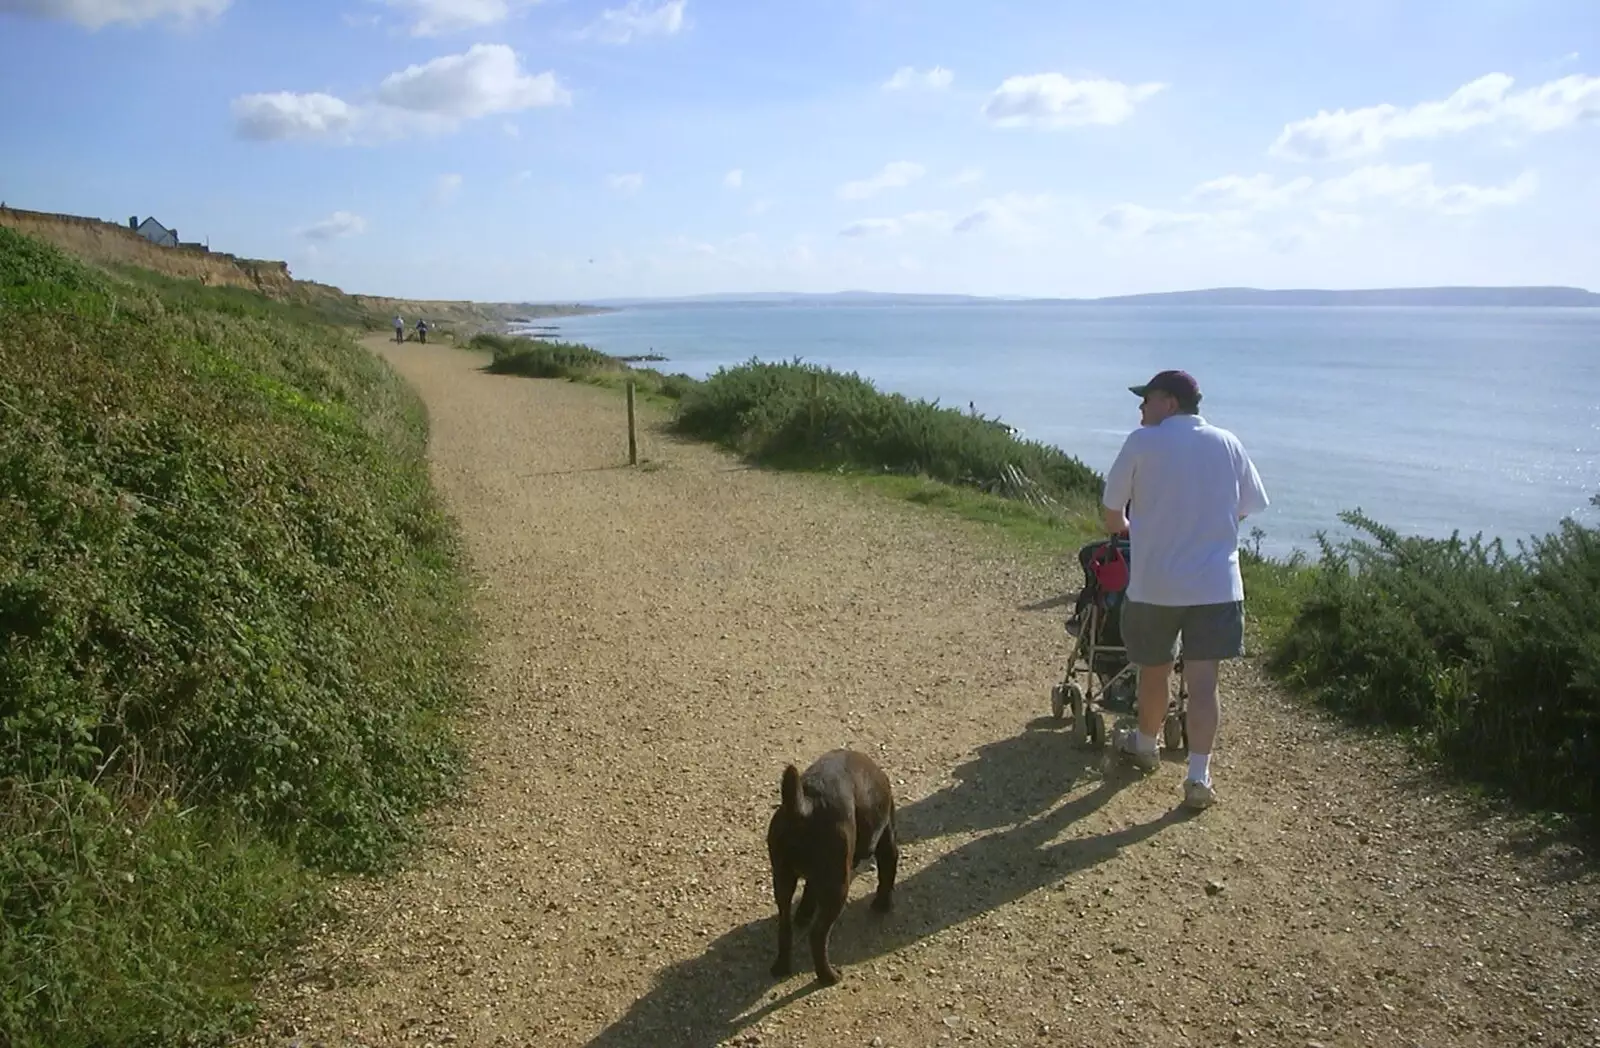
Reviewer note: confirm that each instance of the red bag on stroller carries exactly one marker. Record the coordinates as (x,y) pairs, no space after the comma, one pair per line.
(1110,567)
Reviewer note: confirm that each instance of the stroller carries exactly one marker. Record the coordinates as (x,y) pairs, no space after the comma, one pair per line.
(1110,681)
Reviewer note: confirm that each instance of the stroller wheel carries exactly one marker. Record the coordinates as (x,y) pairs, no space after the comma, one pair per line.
(1173,735)
(1097,729)
(1058,703)
(1080,714)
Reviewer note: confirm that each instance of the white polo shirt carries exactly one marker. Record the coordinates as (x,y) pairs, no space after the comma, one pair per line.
(1190,484)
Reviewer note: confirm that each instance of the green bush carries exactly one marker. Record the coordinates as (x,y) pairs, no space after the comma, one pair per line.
(803,416)
(132,923)
(1491,659)
(535,358)
(231,626)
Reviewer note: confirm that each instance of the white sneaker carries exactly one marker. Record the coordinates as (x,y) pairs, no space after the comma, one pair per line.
(1198,796)
(1127,744)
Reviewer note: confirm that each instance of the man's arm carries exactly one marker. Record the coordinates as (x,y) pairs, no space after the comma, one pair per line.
(1119,488)
(1252,493)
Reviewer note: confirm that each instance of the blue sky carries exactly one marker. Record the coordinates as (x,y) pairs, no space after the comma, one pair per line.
(568,149)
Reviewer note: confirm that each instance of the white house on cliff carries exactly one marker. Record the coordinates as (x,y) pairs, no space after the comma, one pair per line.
(154,231)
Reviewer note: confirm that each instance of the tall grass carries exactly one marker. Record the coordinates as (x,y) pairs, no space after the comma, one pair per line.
(231,630)
(308,307)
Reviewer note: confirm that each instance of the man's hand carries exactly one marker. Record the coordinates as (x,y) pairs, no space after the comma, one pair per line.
(1116,522)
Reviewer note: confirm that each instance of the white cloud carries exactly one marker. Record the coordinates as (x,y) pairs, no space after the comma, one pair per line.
(1410,185)
(965,177)
(734,179)
(446,188)
(486,79)
(1348,133)
(628,184)
(1413,185)
(692,246)
(638,18)
(870,227)
(1260,191)
(907,78)
(436,96)
(286,115)
(336,226)
(94,14)
(896,175)
(436,17)
(1053,100)
(1011,213)
(915,221)
(1137,220)
(759,208)
(1261,204)
(511,130)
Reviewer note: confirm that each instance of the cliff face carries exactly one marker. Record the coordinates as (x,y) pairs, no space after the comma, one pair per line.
(107,242)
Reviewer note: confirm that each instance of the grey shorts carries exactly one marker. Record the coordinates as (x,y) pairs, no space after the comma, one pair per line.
(1209,631)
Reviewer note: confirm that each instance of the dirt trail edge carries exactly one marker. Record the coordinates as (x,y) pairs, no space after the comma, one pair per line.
(660,641)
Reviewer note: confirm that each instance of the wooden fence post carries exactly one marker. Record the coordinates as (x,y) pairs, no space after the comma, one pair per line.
(633,440)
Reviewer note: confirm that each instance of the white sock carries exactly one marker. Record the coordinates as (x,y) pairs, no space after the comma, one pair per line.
(1200,768)
(1145,743)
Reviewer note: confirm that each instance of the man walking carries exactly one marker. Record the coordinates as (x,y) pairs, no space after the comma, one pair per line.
(1189,484)
(399,328)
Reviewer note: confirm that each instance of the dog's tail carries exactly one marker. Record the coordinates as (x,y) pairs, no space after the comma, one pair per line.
(792,800)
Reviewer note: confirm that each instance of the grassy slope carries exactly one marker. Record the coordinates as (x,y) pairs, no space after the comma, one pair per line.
(231,633)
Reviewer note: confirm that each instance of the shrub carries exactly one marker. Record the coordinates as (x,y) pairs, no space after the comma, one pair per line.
(1491,659)
(795,415)
(535,358)
(231,625)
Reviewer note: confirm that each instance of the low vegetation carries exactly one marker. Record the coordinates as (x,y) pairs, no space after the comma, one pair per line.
(231,632)
(1489,659)
(545,358)
(803,416)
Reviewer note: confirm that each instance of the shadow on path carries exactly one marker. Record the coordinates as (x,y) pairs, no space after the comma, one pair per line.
(1065,600)
(701,1002)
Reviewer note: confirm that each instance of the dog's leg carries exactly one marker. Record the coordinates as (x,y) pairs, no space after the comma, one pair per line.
(783,882)
(832,889)
(806,908)
(888,856)
(829,907)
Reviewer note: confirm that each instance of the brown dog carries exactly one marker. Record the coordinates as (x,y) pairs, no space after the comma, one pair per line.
(832,817)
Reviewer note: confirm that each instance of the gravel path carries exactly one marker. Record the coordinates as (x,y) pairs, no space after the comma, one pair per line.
(660,641)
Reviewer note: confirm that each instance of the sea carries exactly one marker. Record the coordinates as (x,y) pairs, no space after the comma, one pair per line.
(1430,420)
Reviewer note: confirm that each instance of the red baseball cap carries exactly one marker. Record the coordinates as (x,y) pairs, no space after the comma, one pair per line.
(1180,384)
